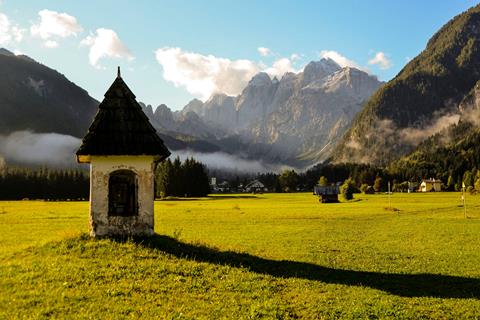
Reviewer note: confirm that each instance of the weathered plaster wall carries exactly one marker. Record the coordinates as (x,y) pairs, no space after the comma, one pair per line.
(100,169)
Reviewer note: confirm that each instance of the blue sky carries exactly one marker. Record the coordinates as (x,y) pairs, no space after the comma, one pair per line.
(173,51)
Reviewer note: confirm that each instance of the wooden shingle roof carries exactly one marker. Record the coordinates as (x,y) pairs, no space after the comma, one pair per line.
(121,128)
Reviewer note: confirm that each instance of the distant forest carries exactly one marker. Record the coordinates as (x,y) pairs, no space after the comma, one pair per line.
(190,178)
(181,179)
(48,184)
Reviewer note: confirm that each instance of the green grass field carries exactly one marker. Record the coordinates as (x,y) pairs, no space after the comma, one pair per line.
(247,257)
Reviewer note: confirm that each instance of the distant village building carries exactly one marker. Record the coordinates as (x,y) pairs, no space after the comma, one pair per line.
(431,185)
(223,187)
(255,186)
(213,181)
(122,148)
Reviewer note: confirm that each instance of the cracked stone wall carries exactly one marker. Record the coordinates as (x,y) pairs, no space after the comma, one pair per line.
(101,224)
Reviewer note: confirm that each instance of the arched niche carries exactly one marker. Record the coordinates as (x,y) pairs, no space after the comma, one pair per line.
(122,193)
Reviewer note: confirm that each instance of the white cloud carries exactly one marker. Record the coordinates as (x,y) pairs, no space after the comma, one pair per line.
(295,57)
(9,32)
(224,161)
(382,60)
(29,148)
(105,43)
(280,67)
(50,44)
(53,26)
(338,58)
(204,75)
(414,136)
(264,51)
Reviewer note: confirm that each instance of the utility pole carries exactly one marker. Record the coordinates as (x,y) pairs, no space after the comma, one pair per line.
(463,199)
(389,200)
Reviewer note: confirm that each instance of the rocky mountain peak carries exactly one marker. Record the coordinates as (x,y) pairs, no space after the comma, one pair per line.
(163,111)
(278,120)
(350,74)
(194,105)
(147,109)
(316,70)
(260,79)
(351,81)
(217,98)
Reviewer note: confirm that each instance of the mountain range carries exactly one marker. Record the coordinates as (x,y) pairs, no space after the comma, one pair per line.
(323,113)
(296,120)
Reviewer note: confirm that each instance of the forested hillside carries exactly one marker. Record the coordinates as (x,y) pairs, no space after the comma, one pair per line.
(424,96)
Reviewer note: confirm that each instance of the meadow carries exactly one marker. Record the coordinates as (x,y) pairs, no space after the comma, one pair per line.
(273,256)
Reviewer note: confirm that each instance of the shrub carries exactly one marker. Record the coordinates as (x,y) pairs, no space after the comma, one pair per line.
(347,189)
(323,181)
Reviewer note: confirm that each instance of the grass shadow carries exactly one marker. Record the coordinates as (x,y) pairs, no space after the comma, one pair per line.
(208,198)
(222,197)
(405,285)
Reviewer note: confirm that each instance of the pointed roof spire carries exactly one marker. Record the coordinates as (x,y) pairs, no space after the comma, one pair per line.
(118,72)
(121,128)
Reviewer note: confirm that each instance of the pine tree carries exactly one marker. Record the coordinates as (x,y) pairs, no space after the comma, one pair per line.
(347,189)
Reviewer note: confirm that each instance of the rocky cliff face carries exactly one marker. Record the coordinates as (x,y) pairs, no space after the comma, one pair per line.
(295,120)
(315,114)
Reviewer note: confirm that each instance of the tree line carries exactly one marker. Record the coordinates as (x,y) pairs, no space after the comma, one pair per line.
(181,179)
(44,183)
(291,180)
(172,178)
(368,178)
(190,178)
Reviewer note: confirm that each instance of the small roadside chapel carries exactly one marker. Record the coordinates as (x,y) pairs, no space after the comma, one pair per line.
(122,148)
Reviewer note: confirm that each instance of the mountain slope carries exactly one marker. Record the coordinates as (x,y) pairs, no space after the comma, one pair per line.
(295,120)
(452,151)
(39,100)
(422,96)
(445,159)
(35,97)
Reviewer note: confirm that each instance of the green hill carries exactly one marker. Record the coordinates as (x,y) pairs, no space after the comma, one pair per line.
(428,88)
(446,156)
(35,97)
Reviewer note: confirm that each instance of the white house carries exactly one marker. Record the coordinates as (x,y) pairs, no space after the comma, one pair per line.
(255,186)
(122,148)
(431,185)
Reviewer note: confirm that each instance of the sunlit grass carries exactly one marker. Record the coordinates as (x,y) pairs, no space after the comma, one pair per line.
(247,256)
